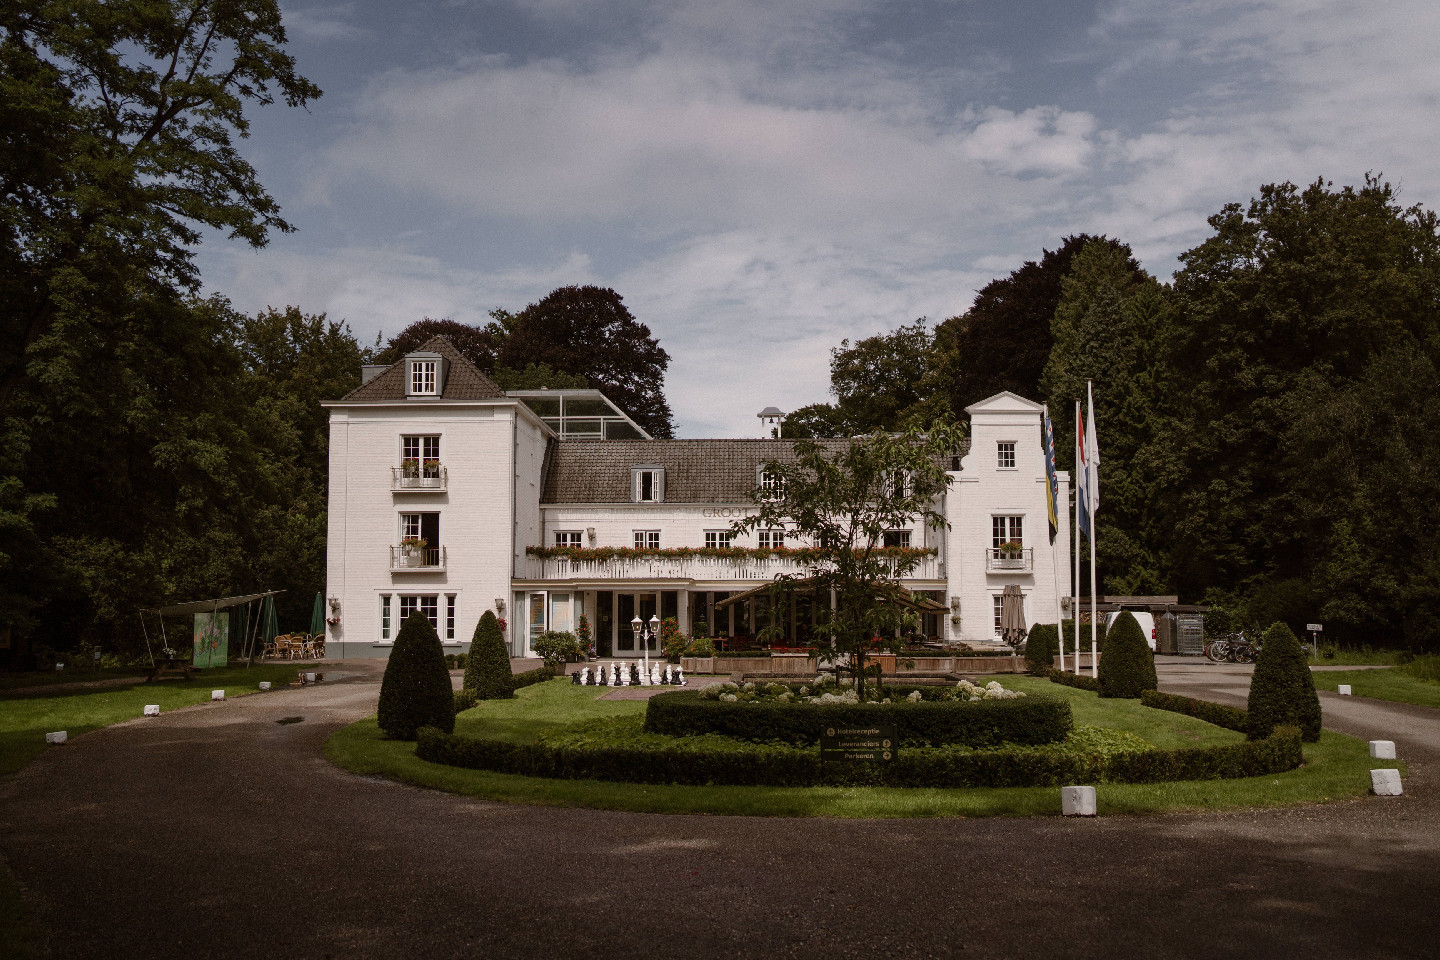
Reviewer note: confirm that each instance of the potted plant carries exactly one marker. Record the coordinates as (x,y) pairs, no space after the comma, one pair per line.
(556,647)
(1010,550)
(410,468)
(432,470)
(582,637)
(414,550)
(673,643)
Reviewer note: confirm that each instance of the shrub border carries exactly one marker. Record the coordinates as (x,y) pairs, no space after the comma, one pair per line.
(1077,680)
(1231,718)
(1029,721)
(465,697)
(794,767)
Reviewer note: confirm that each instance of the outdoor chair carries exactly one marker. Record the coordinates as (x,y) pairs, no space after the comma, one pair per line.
(283,647)
(317,647)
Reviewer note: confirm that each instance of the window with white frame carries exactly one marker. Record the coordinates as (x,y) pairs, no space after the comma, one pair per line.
(420,454)
(423,379)
(384,616)
(772,539)
(717,539)
(449,616)
(1006,530)
(1005,454)
(648,484)
(772,485)
(409,526)
(567,538)
(898,484)
(647,539)
(997,614)
(427,603)
(897,538)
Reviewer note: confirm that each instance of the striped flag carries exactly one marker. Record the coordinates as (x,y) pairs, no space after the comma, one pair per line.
(1052,484)
(1092,454)
(1082,475)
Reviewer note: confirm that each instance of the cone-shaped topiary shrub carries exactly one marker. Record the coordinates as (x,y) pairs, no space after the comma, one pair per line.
(1282,691)
(1128,667)
(487,671)
(1041,649)
(416,690)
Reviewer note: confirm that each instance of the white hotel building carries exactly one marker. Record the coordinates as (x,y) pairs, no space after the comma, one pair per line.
(429,449)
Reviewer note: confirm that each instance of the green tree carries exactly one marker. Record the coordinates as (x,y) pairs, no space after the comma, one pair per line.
(487,669)
(1128,667)
(479,345)
(1003,341)
(1110,316)
(415,691)
(588,332)
(1041,648)
(886,382)
(1308,300)
(844,497)
(1282,689)
(537,376)
(817,420)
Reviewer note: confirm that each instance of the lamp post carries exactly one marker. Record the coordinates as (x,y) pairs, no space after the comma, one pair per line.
(655,636)
(644,633)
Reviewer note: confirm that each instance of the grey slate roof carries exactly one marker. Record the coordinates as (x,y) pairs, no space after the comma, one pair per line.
(463,380)
(696,471)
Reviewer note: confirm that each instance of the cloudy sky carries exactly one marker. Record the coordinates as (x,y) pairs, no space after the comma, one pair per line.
(762,178)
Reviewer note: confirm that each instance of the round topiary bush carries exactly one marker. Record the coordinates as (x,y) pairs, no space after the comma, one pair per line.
(487,669)
(1041,648)
(1128,667)
(416,690)
(1282,690)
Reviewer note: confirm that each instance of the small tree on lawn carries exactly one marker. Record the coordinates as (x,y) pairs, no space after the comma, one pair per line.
(1041,648)
(1282,689)
(416,691)
(1128,667)
(843,497)
(487,670)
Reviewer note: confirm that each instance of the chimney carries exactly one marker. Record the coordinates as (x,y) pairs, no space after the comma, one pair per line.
(369,371)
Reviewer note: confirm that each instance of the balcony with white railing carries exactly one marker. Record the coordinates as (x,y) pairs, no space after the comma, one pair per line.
(1010,560)
(697,568)
(430,477)
(405,559)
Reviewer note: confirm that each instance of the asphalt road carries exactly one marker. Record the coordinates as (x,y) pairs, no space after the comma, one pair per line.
(218,832)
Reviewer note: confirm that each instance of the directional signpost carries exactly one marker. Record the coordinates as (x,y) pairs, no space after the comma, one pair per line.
(873,744)
(1315,631)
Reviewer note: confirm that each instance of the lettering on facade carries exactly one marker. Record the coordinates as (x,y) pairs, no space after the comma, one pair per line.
(728,513)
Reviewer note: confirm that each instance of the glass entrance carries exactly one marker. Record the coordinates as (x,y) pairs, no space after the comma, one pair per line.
(627,605)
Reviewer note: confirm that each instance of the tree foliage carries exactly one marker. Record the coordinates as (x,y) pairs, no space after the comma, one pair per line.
(415,691)
(487,669)
(1282,689)
(843,497)
(1128,667)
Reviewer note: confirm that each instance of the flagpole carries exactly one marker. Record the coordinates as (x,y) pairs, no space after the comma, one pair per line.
(1075,599)
(1047,446)
(1092,494)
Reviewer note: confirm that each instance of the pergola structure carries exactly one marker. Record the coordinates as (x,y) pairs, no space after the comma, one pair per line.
(204,606)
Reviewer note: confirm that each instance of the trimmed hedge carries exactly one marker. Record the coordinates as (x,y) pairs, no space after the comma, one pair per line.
(487,668)
(780,766)
(1041,648)
(1077,680)
(465,698)
(415,691)
(1128,668)
(1231,718)
(982,723)
(1282,689)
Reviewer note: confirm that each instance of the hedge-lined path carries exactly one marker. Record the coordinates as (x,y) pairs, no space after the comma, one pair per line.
(216,831)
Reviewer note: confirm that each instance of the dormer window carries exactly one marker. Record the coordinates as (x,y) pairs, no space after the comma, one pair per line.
(648,484)
(771,484)
(425,375)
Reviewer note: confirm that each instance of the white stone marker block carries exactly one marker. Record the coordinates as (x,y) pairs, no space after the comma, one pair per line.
(264,684)
(152,709)
(1344,689)
(1077,801)
(217,694)
(59,668)
(1386,783)
(309,678)
(57,737)
(1382,749)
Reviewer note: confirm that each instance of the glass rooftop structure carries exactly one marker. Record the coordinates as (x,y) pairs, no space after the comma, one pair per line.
(580,414)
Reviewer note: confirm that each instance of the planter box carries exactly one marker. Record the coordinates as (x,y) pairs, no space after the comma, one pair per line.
(697,664)
(793,665)
(886,661)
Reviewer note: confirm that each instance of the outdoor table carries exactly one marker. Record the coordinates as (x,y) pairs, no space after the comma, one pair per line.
(168,667)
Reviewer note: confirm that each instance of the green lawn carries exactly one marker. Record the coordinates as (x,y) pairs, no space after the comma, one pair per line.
(1337,767)
(25,719)
(1398,685)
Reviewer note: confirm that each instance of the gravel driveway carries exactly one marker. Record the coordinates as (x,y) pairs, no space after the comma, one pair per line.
(217,831)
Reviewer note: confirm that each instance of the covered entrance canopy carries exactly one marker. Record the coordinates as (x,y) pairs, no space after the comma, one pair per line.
(908,597)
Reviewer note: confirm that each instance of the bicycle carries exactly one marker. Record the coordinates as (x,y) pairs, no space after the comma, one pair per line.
(1218,650)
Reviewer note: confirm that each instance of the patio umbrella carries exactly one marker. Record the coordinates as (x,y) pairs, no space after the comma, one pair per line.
(1012,616)
(317,617)
(269,621)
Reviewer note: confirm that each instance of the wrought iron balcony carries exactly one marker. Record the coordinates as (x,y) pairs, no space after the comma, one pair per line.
(409,479)
(405,559)
(1010,560)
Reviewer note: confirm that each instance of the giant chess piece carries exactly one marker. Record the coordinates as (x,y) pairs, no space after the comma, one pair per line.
(601,677)
(666,681)
(655,674)
(585,677)
(625,677)
(679,677)
(575,679)
(635,673)
(614,675)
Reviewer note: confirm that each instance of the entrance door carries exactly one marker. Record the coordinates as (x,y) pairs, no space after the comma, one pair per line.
(626,607)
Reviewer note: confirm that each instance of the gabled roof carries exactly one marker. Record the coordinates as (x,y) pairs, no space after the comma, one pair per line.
(463,380)
(1004,402)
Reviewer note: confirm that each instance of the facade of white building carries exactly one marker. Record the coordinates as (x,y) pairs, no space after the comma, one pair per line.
(440,481)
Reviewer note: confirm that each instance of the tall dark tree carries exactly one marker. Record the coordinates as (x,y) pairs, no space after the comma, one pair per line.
(1003,341)
(886,382)
(479,345)
(588,331)
(1302,304)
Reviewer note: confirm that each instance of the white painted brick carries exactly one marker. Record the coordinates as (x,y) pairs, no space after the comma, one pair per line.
(1382,749)
(1077,801)
(1386,783)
